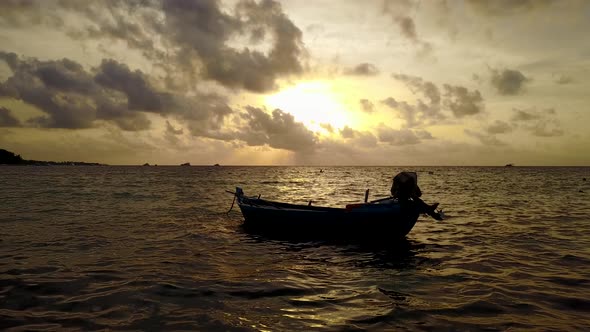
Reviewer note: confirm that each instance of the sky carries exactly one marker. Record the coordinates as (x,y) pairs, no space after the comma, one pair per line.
(296,82)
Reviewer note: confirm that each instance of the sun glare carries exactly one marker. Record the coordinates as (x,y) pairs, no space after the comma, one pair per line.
(312,103)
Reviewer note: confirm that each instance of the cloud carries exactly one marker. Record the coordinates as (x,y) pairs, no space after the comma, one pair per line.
(508,81)
(457,99)
(423,112)
(354,138)
(367,106)
(328,127)
(363,69)
(542,123)
(562,80)
(21,13)
(507,7)
(399,10)
(279,130)
(485,139)
(173,131)
(546,128)
(140,94)
(171,134)
(365,139)
(419,85)
(463,102)
(7,119)
(407,112)
(74,98)
(192,39)
(499,127)
(58,88)
(521,115)
(347,132)
(402,136)
(201,30)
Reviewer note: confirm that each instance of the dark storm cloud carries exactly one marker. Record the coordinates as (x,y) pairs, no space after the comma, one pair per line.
(72,97)
(23,13)
(35,82)
(463,102)
(140,94)
(279,130)
(508,81)
(204,114)
(363,69)
(367,106)
(507,7)
(191,38)
(542,123)
(402,136)
(7,119)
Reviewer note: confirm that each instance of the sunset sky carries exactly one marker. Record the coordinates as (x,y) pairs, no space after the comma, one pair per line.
(296,82)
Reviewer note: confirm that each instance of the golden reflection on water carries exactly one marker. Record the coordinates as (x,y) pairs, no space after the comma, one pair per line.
(153,248)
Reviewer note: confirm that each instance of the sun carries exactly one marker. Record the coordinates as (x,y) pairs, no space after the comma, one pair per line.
(312,103)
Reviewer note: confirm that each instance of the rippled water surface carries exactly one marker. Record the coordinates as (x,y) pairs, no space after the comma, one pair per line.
(152,248)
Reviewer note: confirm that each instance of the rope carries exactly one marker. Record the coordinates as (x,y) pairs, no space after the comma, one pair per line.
(232,204)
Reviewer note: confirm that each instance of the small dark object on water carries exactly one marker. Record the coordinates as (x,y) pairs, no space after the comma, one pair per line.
(583,179)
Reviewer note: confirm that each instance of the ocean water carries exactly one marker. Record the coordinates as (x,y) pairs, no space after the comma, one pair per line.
(153,248)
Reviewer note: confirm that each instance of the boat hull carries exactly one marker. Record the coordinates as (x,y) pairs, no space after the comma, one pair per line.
(360,222)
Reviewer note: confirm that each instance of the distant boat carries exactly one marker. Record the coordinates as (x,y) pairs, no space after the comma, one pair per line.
(146,164)
(508,165)
(376,220)
(185,164)
(216,165)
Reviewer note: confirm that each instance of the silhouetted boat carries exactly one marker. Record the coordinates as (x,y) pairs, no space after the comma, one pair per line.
(508,165)
(377,220)
(185,164)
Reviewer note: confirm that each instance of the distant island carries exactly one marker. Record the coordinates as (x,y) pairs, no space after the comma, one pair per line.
(10,158)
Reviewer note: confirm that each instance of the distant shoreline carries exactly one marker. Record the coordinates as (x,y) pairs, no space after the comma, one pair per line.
(11,159)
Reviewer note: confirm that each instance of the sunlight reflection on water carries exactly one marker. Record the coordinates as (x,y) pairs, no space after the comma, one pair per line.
(152,248)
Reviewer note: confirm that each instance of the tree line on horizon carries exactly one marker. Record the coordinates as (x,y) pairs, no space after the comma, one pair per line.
(11,158)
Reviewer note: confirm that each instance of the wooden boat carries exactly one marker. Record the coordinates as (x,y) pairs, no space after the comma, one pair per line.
(376,220)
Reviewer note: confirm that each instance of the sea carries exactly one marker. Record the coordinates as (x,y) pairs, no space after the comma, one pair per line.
(158,248)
